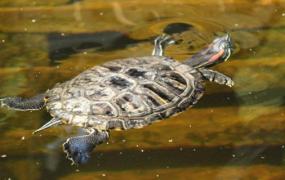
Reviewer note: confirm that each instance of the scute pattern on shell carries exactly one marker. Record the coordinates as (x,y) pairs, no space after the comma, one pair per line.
(126,93)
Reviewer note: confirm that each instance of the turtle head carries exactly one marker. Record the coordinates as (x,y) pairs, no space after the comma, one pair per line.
(217,52)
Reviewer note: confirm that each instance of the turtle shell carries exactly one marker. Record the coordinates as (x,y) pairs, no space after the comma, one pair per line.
(126,93)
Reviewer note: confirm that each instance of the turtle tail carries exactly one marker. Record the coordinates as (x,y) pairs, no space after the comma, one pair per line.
(24,104)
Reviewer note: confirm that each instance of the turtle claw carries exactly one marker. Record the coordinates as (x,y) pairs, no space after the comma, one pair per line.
(160,43)
(230,84)
(164,39)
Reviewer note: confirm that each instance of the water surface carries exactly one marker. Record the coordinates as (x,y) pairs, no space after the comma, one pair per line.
(232,133)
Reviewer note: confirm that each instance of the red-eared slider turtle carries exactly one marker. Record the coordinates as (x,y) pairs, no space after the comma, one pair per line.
(127,93)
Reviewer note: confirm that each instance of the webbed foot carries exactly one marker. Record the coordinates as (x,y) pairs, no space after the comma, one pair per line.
(78,149)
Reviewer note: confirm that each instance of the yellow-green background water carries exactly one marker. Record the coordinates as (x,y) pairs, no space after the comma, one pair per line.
(232,133)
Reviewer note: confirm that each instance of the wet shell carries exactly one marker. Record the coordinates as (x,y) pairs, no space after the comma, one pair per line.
(126,93)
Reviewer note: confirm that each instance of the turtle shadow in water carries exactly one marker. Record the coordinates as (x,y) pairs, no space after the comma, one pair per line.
(73,1)
(177,28)
(176,157)
(61,46)
(52,158)
(267,95)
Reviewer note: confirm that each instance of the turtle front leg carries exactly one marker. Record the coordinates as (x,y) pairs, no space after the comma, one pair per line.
(23,104)
(78,148)
(160,43)
(216,77)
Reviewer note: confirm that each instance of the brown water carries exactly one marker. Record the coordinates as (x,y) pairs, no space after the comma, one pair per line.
(233,133)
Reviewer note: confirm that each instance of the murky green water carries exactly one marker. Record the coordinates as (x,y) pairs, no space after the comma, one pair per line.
(236,133)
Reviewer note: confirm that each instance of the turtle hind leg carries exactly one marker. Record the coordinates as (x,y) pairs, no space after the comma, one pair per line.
(78,148)
(23,104)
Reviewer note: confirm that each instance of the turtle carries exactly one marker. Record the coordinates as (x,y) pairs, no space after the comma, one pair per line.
(127,93)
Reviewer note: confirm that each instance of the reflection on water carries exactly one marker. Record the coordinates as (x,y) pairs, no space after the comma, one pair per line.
(236,133)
